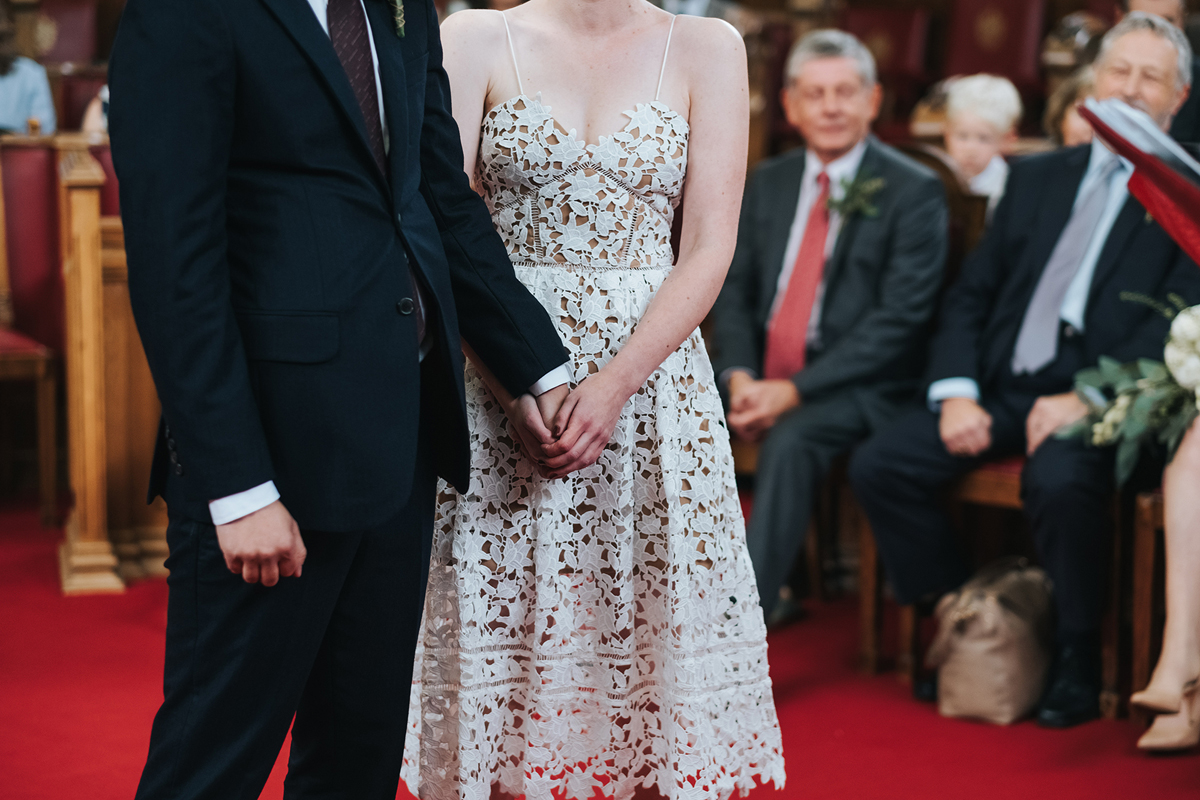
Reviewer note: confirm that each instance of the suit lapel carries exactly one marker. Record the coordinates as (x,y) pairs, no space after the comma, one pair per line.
(868,168)
(393,83)
(302,25)
(1131,219)
(784,200)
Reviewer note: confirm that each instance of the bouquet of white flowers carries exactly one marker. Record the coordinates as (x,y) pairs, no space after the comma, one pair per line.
(1131,406)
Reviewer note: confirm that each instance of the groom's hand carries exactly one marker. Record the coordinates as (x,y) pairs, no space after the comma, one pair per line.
(525,414)
(263,546)
(550,402)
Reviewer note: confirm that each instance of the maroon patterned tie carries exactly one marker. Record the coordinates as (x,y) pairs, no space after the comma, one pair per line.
(349,33)
(351,41)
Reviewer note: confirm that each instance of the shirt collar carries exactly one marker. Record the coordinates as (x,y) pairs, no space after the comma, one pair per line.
(838,170)
(1100,155)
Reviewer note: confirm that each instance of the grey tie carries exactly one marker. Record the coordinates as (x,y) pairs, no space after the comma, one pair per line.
(1037,342)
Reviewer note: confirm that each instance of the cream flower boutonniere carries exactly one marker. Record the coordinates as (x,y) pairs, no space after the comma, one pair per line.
(398,16)
(857,197)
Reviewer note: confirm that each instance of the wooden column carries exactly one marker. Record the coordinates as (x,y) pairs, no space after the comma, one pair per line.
(137,530)
(87,562)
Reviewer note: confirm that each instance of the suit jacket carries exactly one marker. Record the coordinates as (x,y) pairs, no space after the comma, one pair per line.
(881,280)
(1186,125)
(269,257)
(983,311)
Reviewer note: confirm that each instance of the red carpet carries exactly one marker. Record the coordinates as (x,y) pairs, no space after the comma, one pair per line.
(80,681)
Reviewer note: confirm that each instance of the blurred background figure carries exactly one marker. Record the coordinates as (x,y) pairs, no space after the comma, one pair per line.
(1186,125)
(95,119)
(982,114)
(1062,122)
(24,88)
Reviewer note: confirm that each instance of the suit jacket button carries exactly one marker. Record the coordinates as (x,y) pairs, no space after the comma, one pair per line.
(406,306)
(179,469)
(174,457)
(170,444)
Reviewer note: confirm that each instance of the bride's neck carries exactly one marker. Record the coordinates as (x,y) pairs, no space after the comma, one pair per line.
(597,17)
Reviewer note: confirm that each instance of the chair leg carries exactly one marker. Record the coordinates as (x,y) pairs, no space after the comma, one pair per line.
(909,658)
(870,601)
(1112,633)
(47,421)
(1145,542)
(815,558)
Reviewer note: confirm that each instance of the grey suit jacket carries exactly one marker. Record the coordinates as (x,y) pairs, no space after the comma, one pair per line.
(881,281)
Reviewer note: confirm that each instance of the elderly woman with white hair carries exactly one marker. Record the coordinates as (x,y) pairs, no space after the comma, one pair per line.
(982,114)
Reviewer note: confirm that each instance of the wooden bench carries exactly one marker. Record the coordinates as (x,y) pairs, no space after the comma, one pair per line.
(112,407)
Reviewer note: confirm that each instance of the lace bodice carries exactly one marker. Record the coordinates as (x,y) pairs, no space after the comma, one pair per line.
(558,201)
(621,192)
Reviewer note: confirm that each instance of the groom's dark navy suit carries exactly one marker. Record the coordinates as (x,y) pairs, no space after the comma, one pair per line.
(270,263)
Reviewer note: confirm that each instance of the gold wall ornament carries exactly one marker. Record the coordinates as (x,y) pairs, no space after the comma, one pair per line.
(45,34)
(991,29)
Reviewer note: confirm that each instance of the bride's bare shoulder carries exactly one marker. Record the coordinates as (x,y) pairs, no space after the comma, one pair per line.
(707,44)
(474,28)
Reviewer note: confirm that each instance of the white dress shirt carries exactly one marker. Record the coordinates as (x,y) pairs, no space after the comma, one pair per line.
(1074,305)
(234,507)
(839,170)
(990,183)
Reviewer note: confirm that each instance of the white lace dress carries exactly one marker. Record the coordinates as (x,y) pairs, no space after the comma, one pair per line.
(600,632)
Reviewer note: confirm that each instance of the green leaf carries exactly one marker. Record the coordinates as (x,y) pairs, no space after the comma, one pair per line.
(1127,457)
(1080,429)
(1111,369)
(1090,377)
(1153,370)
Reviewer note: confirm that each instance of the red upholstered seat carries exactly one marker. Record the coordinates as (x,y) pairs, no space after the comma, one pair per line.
(34,259)
(1001,37)
(1007,466)
(74,24)
(14,343)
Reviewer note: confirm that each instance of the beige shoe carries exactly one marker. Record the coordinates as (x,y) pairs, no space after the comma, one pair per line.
(1160,702)
(1179,731)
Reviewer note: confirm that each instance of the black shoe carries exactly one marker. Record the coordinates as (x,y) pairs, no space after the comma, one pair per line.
(1074,694)
(925,688)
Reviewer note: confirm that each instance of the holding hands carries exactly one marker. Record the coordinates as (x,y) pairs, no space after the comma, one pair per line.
(564,431)
(756,405)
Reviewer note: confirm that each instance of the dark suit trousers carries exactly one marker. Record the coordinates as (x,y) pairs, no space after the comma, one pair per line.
(334,648)
(793,461)
(900,473)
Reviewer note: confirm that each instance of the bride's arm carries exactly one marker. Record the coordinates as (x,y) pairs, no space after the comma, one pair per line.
(468,37)
(713,58)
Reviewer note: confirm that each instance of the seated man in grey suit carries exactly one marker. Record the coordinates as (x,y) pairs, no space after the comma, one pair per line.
(821,328)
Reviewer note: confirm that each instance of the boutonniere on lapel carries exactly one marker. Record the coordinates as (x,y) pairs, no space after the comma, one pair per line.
(397,7)
(857,196)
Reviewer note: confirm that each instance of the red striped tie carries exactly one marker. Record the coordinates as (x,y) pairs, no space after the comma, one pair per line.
(787,336)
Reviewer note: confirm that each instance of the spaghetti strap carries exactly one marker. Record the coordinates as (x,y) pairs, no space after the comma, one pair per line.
(661,70)
(512,50)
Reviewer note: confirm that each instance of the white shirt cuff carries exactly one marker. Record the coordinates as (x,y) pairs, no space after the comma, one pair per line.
(952,387)
(551,380)
(243,504)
